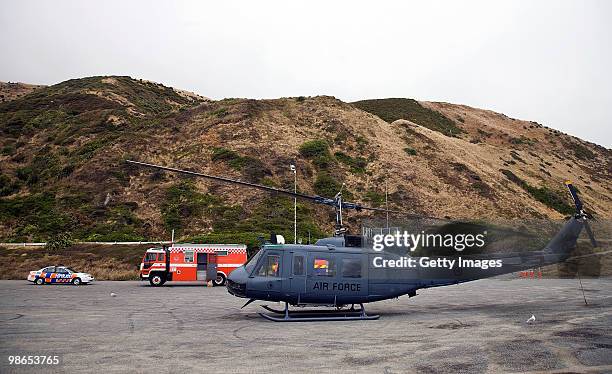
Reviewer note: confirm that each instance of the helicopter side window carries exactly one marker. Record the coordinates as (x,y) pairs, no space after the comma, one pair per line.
(298,265)
(324,267)
(270,267)
(351,267)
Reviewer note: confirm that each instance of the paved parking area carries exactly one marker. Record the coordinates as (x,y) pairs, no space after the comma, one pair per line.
(473,327)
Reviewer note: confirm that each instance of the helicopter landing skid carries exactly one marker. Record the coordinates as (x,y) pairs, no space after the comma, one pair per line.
(351,310)
(317,315)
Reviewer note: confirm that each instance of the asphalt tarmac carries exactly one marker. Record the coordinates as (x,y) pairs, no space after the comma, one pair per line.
(474,327)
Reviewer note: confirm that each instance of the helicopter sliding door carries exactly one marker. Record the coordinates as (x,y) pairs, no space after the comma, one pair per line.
(353,283)
(296,280)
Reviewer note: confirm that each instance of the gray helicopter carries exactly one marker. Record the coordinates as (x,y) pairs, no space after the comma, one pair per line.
(342,271)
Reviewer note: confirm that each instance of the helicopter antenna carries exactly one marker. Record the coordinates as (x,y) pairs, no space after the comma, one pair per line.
(337,202)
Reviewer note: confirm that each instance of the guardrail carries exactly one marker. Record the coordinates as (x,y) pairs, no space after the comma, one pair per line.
(99,243)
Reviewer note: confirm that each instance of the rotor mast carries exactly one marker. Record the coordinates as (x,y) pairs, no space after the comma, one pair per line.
(339,228)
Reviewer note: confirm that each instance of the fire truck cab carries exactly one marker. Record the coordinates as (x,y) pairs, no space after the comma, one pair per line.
(192,262)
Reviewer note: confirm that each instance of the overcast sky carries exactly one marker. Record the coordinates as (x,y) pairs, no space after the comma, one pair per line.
(547,61)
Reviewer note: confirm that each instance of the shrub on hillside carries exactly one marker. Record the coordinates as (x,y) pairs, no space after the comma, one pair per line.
(327,186)
(58,242)
(357,164)
(318,152)
(314,148)
(232,158)
(410,151)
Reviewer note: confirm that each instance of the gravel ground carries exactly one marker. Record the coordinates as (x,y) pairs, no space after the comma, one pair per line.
(473,327)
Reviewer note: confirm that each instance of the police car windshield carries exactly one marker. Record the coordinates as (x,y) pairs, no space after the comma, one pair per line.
(251,264)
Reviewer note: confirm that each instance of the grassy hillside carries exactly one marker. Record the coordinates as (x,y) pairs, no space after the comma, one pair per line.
(63,147)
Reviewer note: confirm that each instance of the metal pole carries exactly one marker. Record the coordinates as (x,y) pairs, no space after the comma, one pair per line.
(294,170)
(387,205)
(295,207)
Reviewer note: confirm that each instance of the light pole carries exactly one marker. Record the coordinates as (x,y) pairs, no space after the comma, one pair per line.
(294,170)
(387,206)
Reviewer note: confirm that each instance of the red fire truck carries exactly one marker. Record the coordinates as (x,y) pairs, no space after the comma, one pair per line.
(192,262)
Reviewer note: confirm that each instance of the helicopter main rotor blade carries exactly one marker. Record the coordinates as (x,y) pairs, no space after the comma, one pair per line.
(574,194)
(358,207)
(315,199)
(223,179)
(581,212)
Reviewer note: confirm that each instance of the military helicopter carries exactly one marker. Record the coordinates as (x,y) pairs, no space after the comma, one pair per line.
(342,271)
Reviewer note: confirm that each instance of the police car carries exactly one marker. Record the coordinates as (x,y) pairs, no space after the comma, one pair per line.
(59,274)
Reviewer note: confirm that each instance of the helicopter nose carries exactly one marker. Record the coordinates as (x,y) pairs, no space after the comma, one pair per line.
(236,282)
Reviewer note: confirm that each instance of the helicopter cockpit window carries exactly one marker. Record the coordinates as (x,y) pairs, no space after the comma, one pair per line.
(253,261)
(270,267)
(324,267)
(351,267)
(298,265)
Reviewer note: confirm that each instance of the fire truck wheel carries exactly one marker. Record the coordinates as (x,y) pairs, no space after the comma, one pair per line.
(156,280)
(40,281)
(76,281)
(220,281)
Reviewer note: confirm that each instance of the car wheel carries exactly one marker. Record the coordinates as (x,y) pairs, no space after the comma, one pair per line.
(220,281)
(76,281)
(39,281)
(156,280)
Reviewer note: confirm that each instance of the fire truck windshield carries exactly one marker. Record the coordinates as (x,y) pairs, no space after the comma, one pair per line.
(150,257)
(251,264)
